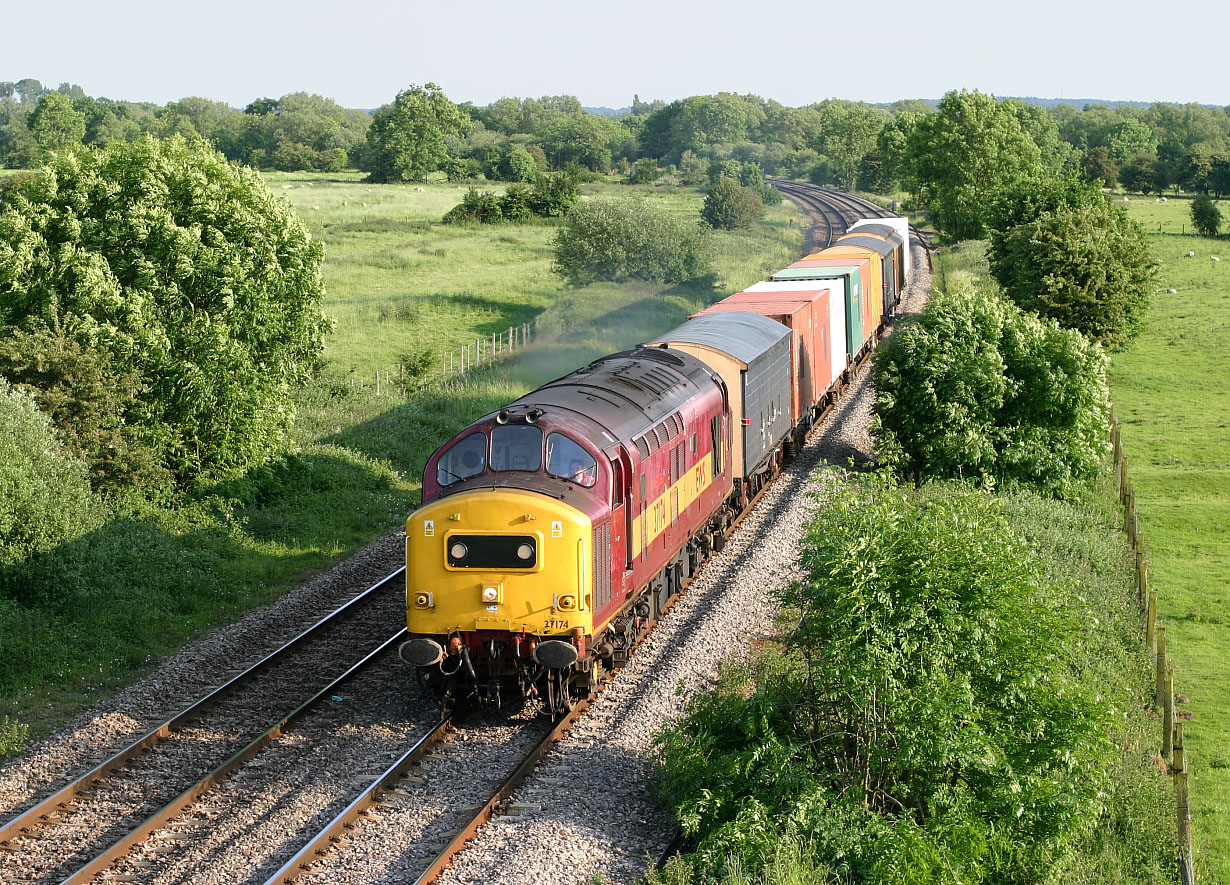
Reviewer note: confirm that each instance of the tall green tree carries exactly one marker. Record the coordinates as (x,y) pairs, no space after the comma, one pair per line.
(182,271)
(56,124)
(409,138)
(961,155)
(848,132)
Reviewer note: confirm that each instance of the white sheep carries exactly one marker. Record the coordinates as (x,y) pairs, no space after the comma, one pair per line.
(315,208)
(1172,291)
(418,188)
(1214,258)
(1190,255)
(1163,199)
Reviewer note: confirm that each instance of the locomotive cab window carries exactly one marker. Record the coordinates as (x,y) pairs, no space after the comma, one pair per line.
(467,458)
(516,447)
(567,460)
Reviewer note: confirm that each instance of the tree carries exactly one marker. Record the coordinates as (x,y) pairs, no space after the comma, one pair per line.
(1206,217)
(964,153)
(516,165)
(56,124)
(848,134)
(182,271)
(1087,266)
(409,138)
(44,494)
(629,238)
(1139,173)
(978,388)
(1097,165)
(731,206)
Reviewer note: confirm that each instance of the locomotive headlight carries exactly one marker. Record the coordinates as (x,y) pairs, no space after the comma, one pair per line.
(525,552)
(491,593)
(567,602)
(423,600)
(458,551)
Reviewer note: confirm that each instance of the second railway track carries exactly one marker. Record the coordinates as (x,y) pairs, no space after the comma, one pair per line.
(85,825)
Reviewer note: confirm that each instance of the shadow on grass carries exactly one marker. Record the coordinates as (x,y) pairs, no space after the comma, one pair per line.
(91,612)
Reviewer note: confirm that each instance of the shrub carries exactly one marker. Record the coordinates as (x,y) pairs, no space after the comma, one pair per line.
(89,403)
(182,271)
(977,388)
(1086,265)
(44,493)
(555,194)
(938,714)
(645,171)
(13,736)
(629,238)
(731,206)
(1206,217)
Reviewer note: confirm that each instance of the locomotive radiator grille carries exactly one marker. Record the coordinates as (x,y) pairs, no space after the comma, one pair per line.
(602,566)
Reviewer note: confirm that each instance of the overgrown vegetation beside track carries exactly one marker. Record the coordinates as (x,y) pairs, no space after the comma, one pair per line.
(402,288)
(958,697)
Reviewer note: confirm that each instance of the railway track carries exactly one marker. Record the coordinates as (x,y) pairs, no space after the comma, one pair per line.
(89,824)
(833,211)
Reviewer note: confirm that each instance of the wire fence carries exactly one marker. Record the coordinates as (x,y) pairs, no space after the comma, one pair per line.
(405,380)
(1172,751)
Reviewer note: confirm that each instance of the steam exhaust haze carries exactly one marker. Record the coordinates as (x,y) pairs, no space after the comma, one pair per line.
(362,53)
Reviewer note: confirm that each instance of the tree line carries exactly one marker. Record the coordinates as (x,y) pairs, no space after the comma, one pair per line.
(843,143)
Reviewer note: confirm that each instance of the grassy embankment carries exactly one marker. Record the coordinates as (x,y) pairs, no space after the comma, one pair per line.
(1172,392)
(399,283)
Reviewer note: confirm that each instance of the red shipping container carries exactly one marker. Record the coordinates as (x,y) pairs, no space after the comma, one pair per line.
(806,313)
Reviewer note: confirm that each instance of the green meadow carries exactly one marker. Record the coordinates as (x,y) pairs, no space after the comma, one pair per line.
(1172,391)
(402,289)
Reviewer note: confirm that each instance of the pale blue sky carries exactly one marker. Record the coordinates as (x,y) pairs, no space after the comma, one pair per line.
(363,52)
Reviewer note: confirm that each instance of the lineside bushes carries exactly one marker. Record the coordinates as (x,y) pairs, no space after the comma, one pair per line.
(960,701)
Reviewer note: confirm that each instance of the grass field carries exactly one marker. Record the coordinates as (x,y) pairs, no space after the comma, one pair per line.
(399,283)
(1172,391)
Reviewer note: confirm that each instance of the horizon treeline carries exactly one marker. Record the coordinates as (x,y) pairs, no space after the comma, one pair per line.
(1148,149)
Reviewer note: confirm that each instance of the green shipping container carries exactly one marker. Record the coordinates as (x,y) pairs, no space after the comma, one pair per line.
(852,274)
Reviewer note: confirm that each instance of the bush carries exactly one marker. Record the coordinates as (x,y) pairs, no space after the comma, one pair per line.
(44,493)
(939,714)
(1206,217)
(731,206)
(645,171)
(1086,265)
(977,388)
(13,736)
(552,195)
(630,238)
(89,402)
(476,206)
(182,271)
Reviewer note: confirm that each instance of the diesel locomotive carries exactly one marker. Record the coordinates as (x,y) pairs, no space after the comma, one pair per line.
(554,532)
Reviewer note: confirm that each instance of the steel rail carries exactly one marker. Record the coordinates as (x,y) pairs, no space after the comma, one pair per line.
(319,844)
(125,844)
(30,819)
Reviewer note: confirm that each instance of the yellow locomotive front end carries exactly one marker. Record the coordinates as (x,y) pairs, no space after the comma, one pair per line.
(498,587)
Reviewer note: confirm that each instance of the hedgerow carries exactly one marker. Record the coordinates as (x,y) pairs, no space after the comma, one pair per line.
(952,706)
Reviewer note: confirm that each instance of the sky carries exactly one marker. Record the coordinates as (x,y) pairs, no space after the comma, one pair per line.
(361,53)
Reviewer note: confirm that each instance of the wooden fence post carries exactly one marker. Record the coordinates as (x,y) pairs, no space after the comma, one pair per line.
(1168,714)
(1140,578)
(1151,619)
(1183,808)
(1160,692)
(512,333)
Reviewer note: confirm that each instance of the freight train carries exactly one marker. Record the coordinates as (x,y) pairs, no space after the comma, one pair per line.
(554,532)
